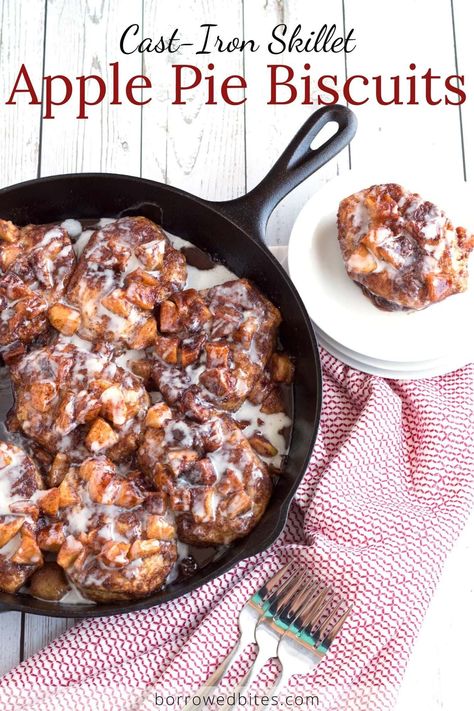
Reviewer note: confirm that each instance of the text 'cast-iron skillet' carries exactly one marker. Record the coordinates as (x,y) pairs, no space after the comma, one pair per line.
(232,232)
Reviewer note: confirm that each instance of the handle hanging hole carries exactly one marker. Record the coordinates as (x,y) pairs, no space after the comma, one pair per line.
(327,132)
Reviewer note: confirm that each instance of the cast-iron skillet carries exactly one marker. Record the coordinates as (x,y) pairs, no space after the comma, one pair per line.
(232,232)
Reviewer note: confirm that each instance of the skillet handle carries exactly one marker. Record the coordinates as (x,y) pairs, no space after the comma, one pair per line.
(297,162)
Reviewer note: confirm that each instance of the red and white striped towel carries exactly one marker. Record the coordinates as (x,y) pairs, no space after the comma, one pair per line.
(389,487)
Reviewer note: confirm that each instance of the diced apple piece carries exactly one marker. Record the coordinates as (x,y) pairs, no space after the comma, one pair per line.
(281,368)
(262,446)
(157,415)
(43,393)
(49,501)
(9,529)
(144,549)
(114,554)
(69,552)
(101,436)
(64,319)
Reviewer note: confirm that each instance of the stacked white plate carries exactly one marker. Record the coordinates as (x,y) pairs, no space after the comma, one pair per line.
(392,344)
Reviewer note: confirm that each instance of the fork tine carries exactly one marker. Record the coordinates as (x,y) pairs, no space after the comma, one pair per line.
(294,600)
(315,611)
(263,594)
(281,594)
(323,623)
(301,619)
(272,584)
(329,638)
(299,603)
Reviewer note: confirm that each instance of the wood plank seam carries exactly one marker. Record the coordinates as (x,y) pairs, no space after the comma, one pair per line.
(456,63)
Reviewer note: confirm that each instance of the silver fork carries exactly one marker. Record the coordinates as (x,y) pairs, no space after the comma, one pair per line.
(249,616)
(283,608)
(308,638)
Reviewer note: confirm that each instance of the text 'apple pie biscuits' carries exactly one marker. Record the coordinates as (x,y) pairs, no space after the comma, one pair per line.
(20,482)
(213,346)
(402,250)
(217,485)
(36,264)
(118,540)
(77,402)
(127,267)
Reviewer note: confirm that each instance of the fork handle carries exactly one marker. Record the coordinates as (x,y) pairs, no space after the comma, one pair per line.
(215,678)
(249,678)
(240,688)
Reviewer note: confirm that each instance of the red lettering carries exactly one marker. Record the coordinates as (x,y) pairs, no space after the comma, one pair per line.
(322,86)
(83,100)
(49,102)
(180,86)
(347,90)
(227,87)
(274,83)
(455,89)
(131,86)
(23,75)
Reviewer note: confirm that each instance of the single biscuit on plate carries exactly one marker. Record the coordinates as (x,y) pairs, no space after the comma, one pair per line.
(403,251)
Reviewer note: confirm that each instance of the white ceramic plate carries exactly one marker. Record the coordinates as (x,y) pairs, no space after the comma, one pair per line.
(457,359)
(345,315)
(411,373)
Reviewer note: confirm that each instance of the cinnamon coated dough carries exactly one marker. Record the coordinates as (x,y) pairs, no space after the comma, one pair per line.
(126,269)
(217,485)
(403,251)
(118,540)
(77,402)
(20,483)
(36,264)
(213,346)
(141,406)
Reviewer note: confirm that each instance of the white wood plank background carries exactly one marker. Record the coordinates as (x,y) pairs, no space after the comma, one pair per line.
(219,152)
